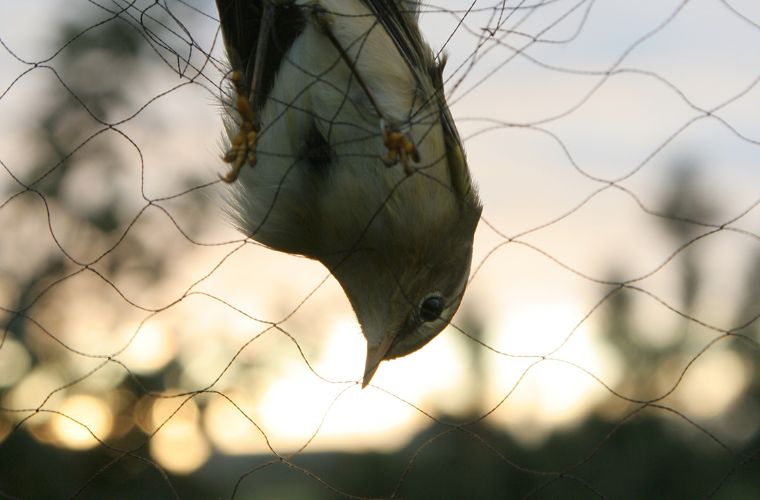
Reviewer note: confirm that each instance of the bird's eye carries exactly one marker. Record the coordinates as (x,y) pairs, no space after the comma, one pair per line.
(431,308)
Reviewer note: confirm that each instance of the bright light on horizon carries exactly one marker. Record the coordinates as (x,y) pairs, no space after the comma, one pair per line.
(298,404)
(81,422)
(553,392)
(150,349)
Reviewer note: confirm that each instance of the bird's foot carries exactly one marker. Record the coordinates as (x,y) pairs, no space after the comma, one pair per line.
(243,145)
(400,148)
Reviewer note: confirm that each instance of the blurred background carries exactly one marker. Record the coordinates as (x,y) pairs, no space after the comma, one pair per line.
(609,342)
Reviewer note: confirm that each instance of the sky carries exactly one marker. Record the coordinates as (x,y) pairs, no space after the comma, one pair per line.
(547,127)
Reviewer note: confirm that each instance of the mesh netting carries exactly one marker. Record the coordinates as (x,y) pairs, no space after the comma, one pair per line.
(608,343)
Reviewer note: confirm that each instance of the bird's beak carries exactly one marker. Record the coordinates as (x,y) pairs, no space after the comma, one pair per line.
(375,354)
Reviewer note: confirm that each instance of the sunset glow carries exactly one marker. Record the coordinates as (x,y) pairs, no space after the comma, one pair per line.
(83,422)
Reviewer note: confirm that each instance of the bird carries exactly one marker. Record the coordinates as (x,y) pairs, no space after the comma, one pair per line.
(341,148)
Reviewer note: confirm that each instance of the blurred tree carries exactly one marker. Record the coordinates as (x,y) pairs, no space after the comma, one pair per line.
(74,144)
(686,209)
(684,213)
(747,346)
(97,68)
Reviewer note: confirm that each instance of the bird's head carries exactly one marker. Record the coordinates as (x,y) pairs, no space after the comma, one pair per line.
(404,291)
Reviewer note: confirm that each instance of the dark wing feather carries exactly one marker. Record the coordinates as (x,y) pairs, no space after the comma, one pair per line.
(240,22)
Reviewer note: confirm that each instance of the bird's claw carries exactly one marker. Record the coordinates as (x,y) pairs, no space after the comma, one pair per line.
(243,145)
(400,148)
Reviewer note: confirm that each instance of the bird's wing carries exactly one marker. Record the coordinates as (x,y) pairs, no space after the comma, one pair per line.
(241,24)
(399,19)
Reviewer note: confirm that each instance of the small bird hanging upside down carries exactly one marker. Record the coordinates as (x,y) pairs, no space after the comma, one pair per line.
(338,107)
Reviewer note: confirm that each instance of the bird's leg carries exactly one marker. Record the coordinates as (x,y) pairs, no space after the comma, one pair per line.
(399,146)
(243,145)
